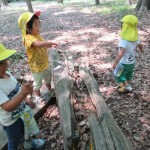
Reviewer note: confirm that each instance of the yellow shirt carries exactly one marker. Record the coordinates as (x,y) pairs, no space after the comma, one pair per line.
(37,57)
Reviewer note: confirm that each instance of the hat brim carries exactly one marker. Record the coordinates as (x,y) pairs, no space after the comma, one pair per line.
(6,54)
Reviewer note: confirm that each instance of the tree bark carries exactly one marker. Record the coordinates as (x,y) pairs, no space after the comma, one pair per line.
(29,5)
(4,2)
(97,2)
(60,1)
(97,138)
(143,5)
(63,91)
(113,136)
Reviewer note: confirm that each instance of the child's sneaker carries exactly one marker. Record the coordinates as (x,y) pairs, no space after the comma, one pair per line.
(34,144)
(121,89)
(39,100)
(128,88)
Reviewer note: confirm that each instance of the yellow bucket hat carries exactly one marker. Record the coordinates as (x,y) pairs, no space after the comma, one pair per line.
(129,28)
(5,53)
(24,19)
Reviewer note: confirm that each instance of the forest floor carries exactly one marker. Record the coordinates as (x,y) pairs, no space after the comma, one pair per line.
(90,37)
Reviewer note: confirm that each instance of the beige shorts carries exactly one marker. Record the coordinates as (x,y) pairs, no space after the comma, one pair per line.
(41,77)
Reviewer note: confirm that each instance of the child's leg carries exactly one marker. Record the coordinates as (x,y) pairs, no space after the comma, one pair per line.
(129,75)
(47,78)
(37,82)
(15,134)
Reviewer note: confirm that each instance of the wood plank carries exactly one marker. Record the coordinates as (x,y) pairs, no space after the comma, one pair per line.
(63,90)
(116,136)
(107,135)
(97,138)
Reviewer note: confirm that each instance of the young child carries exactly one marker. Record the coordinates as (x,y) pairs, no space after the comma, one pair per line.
(36,50)
(13,106)
(125,60)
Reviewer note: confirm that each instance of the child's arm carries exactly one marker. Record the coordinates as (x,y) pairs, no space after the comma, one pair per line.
(140,47)
(17,100)
(120,54)
(44,44)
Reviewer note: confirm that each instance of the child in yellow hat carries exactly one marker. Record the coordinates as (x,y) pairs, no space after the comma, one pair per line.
(13,106)
(125,60)
(36,50)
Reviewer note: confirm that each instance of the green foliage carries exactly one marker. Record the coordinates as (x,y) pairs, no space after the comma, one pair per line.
(117,6)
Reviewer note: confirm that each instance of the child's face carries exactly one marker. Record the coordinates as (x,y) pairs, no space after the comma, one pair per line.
(35,27)
(3,68)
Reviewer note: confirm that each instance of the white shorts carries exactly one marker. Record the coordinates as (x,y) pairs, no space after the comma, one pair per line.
(39,77)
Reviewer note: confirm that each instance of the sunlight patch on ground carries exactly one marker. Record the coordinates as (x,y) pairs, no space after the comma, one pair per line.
(65,12)
(105,66)
(78,48)
(108,90)
(90,30)
(107,37)
(10,38)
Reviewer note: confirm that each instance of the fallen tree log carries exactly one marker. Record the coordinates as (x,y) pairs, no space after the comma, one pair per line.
(97,138)
(63,90)
(113,137)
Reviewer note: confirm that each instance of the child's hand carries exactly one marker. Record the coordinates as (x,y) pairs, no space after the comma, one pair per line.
(31,103)
(27,89)
(114,65)
(51,44)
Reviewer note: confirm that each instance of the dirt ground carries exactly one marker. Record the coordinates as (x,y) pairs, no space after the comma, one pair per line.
(91,38)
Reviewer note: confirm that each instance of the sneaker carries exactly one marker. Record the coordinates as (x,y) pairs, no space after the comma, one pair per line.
(34,144)
(39,100)
(128,88)
(121,89)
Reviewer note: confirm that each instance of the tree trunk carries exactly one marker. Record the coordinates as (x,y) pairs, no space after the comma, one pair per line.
(60,1)
(97,2)
(29,5)
(4,2)
(143,5)
(130,2)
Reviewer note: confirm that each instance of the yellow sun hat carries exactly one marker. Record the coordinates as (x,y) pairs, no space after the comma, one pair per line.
(129,28)
(24,19)
(5,53)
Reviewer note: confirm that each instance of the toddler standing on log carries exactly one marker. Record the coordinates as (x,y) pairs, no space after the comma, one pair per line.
(36,50)
(125,60)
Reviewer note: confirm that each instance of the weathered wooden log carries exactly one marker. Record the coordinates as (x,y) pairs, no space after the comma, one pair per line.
(107,135)
(97,138)
(63,96)
(109,127)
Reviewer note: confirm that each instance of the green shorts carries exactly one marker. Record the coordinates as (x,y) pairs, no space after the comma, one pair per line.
(126,74)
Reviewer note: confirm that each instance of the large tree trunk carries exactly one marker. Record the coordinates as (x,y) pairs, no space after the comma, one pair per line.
(60,1)
(130,2)
(97,2)
(29,5)
(4,2)
(143,5)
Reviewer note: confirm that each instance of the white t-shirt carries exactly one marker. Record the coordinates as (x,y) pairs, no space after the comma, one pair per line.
(130,49)
(9,87)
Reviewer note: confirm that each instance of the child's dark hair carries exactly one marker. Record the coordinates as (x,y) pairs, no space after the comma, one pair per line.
(30,23)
